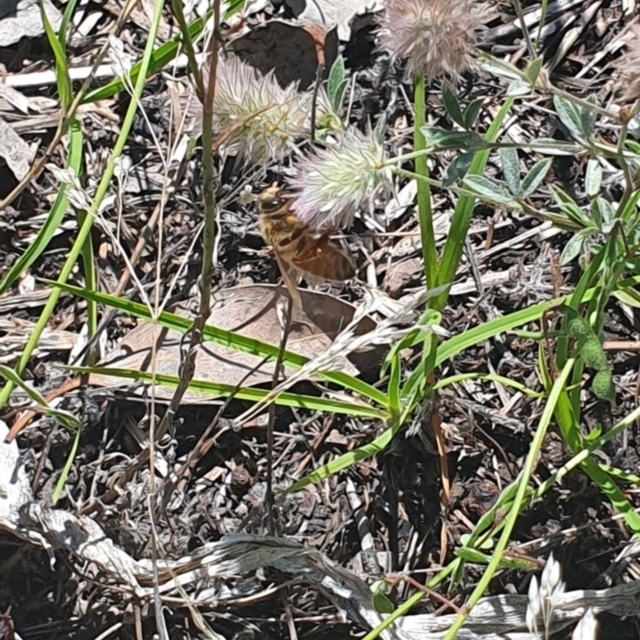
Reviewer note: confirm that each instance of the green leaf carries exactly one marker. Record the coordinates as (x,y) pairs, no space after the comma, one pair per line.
(66,469)
(488,189)
(607,212)
(533,179)
(63,418)
(572,248)
(458,169)
(469,554)
(511,169)
(446,139)
(594,434)
(588,118)
(348,459)
(568,205)
(593,354)
(54,219)
(533,70)
(471,113)
(393,388)
(381,603)
(628,296)
(596,214)
(64,24)
(551,147)
(593,177)
(570,115)
(452,106)
(629,213)
(519,88)
(633,146)
(62,67)
(337,84)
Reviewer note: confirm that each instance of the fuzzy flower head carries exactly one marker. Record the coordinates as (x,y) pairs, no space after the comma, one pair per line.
(435,36)
(629,66)
(331,184)
(254,117)
(264,118)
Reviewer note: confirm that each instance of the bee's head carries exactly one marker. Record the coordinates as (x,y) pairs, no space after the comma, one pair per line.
(273,198)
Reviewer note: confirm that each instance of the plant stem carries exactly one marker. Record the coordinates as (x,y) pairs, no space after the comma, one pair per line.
(429,254)
(209,232)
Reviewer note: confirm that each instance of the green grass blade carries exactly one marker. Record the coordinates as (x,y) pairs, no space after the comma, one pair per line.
(487,377)
(54,219)
(158,60)
(226,338)
(348,459)
(212,390)
(62,68)
(63,418)
(425,216)
(461,219)
(67,469)
(64,24)
(85,230)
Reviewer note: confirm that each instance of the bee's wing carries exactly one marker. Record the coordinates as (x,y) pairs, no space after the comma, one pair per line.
(328,263)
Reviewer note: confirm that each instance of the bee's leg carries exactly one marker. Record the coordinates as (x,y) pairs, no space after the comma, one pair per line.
(290,277)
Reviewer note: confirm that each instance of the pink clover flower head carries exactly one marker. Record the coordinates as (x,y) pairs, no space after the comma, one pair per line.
(331,184)
(261,118)
(436,37)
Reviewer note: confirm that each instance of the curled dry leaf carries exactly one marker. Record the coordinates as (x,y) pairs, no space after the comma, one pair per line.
(15,151)
(23,19)
(252,311)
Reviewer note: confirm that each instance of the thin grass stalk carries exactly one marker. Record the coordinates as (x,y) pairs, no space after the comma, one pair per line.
(523,27)
(90,283)
(209,233)
(427,235)
(65,92)
(85,229)
(277,369)
(429,253)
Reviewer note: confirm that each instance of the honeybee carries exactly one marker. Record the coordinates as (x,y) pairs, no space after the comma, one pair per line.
(299,251)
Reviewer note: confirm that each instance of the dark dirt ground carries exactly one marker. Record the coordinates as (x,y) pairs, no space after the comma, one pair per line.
(224,492)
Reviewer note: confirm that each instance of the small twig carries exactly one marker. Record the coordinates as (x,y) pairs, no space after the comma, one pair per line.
(205,443)
(176,5)
(393,579)
(269,502)
(314,101)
